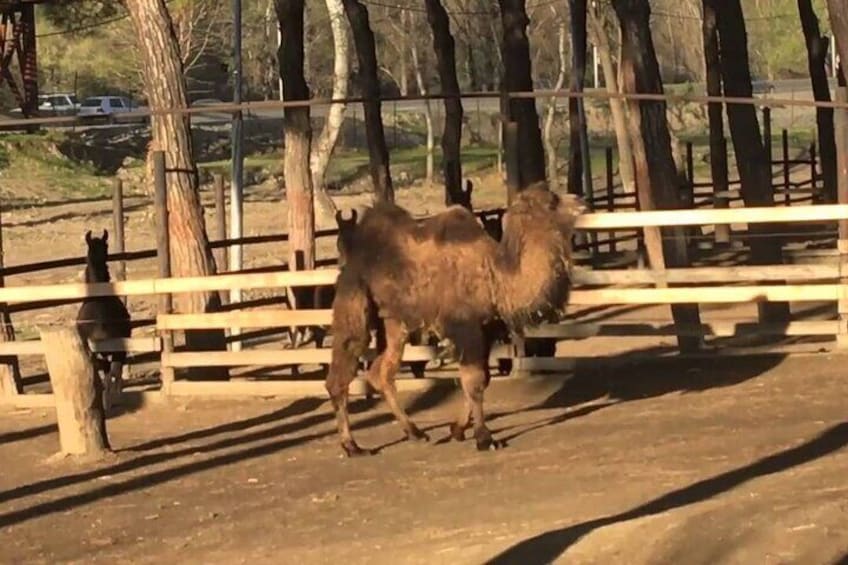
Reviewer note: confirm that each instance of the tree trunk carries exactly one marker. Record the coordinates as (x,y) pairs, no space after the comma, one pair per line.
(164,81)
(298,136)
(617,109)
(751,156)
(323,149)
(443,45)
(550,146)
(77,392)
(428,113)
(378,153)
(718,144)
(576,109)
(656,173)
(838,11)
(816,53)
(518,77)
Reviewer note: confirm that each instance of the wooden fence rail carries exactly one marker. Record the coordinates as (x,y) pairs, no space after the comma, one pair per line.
(741,284)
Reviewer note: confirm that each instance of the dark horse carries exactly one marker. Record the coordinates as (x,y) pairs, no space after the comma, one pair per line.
(103,317)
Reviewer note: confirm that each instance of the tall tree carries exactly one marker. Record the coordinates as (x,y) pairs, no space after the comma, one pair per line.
(298,136)
(715,110)
(323,149)
(378,153)
(838,11)
(518,77)
(656,172)
(164,80)
(577,134)
(550,115)
(443,45)
(598,32)
(817,46)
(751,156)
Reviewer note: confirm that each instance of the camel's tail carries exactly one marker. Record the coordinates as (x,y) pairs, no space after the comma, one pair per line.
(353,314)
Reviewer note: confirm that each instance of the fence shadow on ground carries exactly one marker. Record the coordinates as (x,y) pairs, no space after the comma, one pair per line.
(547,547)
(426,400)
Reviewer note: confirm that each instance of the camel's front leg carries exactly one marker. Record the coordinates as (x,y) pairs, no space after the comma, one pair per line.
(382,376)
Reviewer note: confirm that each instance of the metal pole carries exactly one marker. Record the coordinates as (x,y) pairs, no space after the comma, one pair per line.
(236,183)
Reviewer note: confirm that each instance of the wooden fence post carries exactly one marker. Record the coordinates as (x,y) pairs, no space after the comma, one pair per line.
(77,391)
(786,169)
(767,137)
(118,239)
(690,175)
(610,196)
(163,252)
(840,118)
(720,199)
(222,254)
(10,372)
(511,149)
(814,176)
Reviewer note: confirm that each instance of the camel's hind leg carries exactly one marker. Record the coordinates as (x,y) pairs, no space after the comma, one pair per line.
(473,347)
(341,374)
(382,376)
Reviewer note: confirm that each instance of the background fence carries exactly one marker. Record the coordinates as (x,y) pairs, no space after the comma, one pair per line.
(605,259)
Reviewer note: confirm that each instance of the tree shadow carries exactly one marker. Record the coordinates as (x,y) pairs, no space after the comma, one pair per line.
(548,546)
(428,399)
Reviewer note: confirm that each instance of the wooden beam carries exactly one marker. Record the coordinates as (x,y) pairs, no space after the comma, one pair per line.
(305,356)
(716,329)
(704,295)
(130,345)
(269,318)
(700,275)
(73,291)
(747,215)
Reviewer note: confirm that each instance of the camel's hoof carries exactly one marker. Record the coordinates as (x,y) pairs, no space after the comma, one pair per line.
(489,444)
(414,434)
(457,432)
(352,450)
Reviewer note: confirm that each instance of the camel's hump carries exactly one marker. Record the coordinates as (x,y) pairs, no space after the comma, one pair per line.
(454,225)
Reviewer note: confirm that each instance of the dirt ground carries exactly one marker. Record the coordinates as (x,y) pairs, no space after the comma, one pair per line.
(737,461)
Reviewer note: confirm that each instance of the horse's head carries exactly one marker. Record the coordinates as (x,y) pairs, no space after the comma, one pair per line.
(97,268)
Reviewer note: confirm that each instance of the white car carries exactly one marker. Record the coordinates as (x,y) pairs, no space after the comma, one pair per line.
(106,107)
(58,104)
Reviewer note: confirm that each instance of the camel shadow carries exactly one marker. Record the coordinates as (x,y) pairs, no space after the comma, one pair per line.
(591,388)
(548,546)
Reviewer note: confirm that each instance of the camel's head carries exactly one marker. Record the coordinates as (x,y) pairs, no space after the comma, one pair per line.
(539,209)
(535,253)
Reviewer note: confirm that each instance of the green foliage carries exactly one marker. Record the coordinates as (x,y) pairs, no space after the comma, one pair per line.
(776,46)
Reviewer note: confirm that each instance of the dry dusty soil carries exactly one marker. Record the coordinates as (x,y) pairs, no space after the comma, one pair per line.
(730,461)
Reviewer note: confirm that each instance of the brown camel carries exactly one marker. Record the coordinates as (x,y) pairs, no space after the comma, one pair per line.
(446,275)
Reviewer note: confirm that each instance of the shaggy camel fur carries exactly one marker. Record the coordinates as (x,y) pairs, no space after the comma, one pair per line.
(446,275)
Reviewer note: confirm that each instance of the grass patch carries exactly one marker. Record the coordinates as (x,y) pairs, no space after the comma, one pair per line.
(35,169)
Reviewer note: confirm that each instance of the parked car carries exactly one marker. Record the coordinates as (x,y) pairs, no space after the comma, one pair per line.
(106,107)
(58,104)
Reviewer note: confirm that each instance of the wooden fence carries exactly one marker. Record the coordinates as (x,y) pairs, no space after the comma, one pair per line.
(794,283)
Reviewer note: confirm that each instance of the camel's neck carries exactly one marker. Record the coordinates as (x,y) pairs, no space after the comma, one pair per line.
(532,271)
